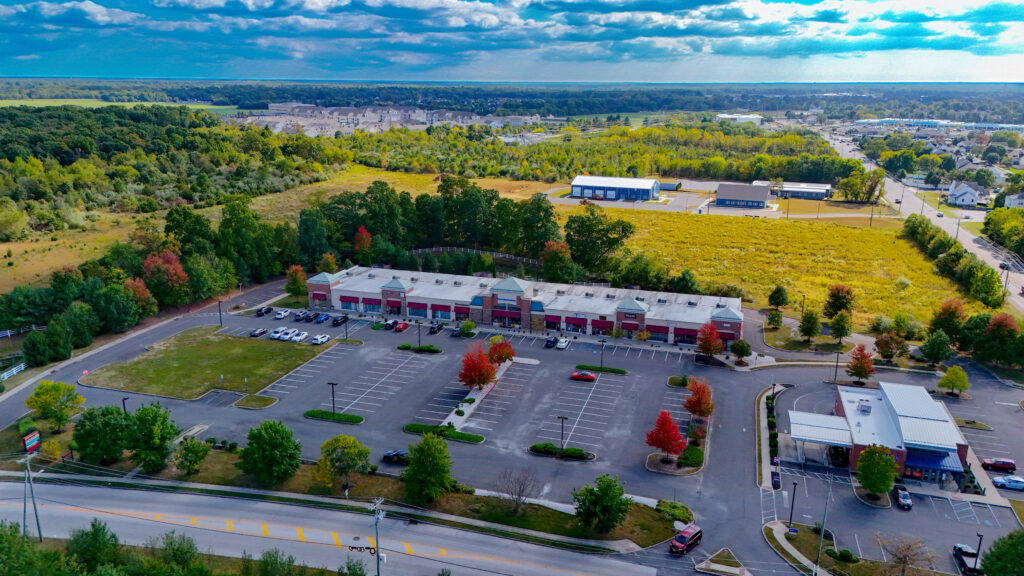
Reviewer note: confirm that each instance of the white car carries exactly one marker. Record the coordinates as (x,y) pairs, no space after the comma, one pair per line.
(563,343)
(277,332)
(282,314)
(300,336)
(287,334)
(1011,482)
(320,339)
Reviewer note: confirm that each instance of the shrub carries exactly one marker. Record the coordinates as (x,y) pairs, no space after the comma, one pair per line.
(847,556)
(674,511)
(373,469)
(467,400)
(574,453)
(211,441)
(544,448)
(443,431)
(427,348)
(224,444)
(405,346)
(334,416)
(692,457)
(460,412)
(25,426)
(458,488)
(377,326)
(232,446)
(600,369)
(771,423)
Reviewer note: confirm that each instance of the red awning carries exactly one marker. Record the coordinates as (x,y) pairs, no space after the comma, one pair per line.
(505,314)
(374,301)
(352,299)
(727,336)
(685,331)
(319,296)
(550,318)
(395,303)
(576,321)
(657,329)
(415,305)
(630,326)
(442,307)
(462,309)
(603,324)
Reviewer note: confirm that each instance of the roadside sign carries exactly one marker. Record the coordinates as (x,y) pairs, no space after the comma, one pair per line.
(794,531)
(68,456)
(31,441)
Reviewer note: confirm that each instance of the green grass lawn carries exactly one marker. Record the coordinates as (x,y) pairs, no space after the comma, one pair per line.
(189,364)
(788,339)
(972,226)
(254,401)
(1018,505)
(292,302)
(806,542)
(932,199)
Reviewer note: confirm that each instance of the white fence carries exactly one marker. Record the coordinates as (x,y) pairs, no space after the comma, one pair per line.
(22,330)
(12,372)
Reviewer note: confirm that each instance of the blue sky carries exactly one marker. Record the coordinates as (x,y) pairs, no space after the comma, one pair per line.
(517,40)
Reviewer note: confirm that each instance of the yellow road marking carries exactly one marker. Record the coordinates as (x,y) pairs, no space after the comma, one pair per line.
(231,525)
(337,541)
(372,543)
(443,552)
(407,547)
(193,521)
(158,516)
(302,537)
(263,526)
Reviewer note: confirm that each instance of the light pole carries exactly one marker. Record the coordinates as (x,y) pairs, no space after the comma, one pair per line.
(957,236)
(980,538)
(792,505)
(124,406)
(835,377)
(562,419)
(220,314)
(332,385)
(824,518)
(602,341)
(419,328)
(346,329)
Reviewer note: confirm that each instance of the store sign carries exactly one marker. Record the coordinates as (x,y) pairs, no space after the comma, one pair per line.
(630,316)
(31,441)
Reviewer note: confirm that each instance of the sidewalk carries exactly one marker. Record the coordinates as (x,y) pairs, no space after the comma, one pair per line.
(618,546)
(779,530)
(991,497)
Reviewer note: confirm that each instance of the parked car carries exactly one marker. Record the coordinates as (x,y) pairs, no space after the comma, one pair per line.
(320,339)
(277,332)
(550,342)
(940,215)
(562,344)
(257,332)
(323,318)
(264,311)
(287,334)
(455,333)
(311,316)
(685,540)
(964,557)
(899,201)
(299,316)
(401,326)
(1004,266)
(776,480)
(397,457)
(339,320)
(902,497)
(583,376)
(1010,482)
(390,324)
(434,328)
(1001,464)
(282,314)
(300,336)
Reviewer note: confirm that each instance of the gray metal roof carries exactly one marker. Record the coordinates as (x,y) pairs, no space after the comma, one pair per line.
(611,182)
(748,192)
(912,401)
(512,284)
(819,428)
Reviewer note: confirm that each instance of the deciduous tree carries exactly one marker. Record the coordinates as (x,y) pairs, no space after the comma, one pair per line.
(593,237)
(665,435)
(998,343)
(95,546)
(778,297)
(906,552)
(840,297)
(841,325)
(191,454)
(477,369)
(860,365)
(428,476)
(684,283)
(954,380)
(500,352)
(936,348)
(296,285)
(810,324)
(889,345)
(142,297)
(362,244)
(100,434)
(328,263)
(81,322)
(340,456)
(876,469)
(602,506)
(740,348)
(709,342)
(517,485)
(774,319)
(556,263)
(55,401)
(699,403)
(165,278)
(36,349)
(149,436)
(949,318)
(1005,555)
(271,455)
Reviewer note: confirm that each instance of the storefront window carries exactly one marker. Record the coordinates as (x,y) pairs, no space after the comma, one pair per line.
(418,312)
(371,308)
(442,315)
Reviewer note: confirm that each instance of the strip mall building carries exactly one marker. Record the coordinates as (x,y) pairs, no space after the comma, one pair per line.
(515,303)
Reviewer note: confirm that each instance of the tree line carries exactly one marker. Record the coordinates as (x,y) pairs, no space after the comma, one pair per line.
(1005,226)
(900,154)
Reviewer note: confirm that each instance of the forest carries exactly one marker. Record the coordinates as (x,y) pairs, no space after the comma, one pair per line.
(901,154)
(960,102)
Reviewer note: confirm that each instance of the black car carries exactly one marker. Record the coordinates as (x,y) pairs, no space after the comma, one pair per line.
(390,324)
(397,457)
(776,480)
(310,316)
(257,332)
(264,311)
(434,328)
(550,342)
(339,320)
(964,557)
(455,333)
(299,316)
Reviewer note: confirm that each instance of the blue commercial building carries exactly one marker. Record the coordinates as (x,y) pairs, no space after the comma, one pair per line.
(605,188)
(742,195)
(808,190)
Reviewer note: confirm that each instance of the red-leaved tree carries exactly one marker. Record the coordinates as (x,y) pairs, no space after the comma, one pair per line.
(500,352)
(699,403)
(165,278)
(362,244)
(861,365)
(665,435)
(477,369)
(709,342)
(141,296)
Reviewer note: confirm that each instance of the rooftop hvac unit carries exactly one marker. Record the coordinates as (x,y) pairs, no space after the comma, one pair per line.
(458,282)
(719,305)
(438,281)
(370,275)
(415,279)
(393,277)
(691,303)
(662,301)
(560,292)
(609,296)
(864,407)
(588,294)
(639,298)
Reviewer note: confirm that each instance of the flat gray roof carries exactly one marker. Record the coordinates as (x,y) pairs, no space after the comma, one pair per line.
(748,192)
(612,182)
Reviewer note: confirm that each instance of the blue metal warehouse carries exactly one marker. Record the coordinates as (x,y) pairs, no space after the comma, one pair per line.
(605,188)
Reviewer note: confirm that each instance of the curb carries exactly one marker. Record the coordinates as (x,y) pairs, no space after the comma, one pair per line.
(591,457)
(404,431)
(274,403)
(331,421)
(686,473)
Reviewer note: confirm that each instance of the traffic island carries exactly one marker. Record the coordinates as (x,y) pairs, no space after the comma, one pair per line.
(723,562)
(661,464)
(873,500)
(972,424)
(570,453)
(447,432)
(254,402)
(340,417)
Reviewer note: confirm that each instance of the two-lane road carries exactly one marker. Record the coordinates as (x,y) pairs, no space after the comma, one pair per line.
(229,527)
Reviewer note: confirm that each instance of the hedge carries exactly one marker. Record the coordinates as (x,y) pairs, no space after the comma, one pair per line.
(334,416)
(692,457)
(405,346)
(26,425)
(546,448)
(674,511)
(427,348)
(600,369)
(573,453)
(443,431)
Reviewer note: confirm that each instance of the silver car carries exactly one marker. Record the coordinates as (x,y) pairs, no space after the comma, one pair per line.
(300,336)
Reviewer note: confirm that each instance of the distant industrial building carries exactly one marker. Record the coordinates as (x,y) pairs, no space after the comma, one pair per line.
(808,190)
(515,303)
(605,188)
(739,118)
(918,431)
(742,195)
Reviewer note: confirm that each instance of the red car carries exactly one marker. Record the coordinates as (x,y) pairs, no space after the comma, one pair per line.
(401,326)
(686,540)
(583,376)
(1001,464)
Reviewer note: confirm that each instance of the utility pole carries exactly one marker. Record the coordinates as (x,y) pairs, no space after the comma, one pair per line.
(792,505)
(824,518)
(957,236)
(872,218)
(220,314)
(32,492)
(332,385)
(378,515)
(562,441)
(602,341)
(835,377)
(346,329)
(419,329)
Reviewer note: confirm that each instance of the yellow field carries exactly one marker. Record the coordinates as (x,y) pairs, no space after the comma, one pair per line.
(805,206)
(805,257)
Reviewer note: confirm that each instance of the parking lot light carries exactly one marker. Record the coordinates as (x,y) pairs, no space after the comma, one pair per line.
(603,341)
(980,538)
(332,385)
(792,505)
(562,441)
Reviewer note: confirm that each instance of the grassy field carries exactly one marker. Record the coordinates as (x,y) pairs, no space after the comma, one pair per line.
(806,542)
(786,338)
(932,199)
(861,222)
(96,103)
(805,257)
(189,364)
(805,206)
(974,227)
